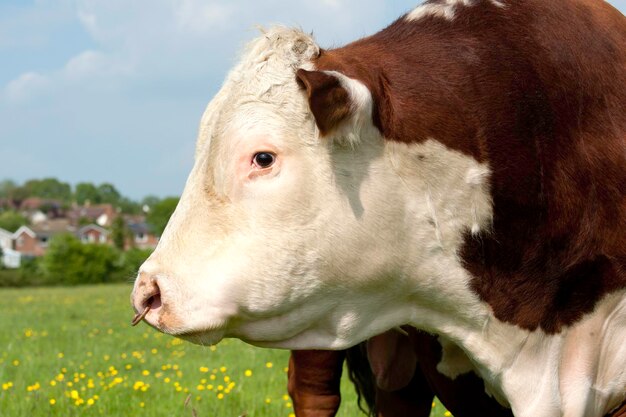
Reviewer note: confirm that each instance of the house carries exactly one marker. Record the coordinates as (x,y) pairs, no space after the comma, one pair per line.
(101,214)
(40,209)
(8,204)
(92,233)
(141,236)
(10,258)
(33,240)
(6,239)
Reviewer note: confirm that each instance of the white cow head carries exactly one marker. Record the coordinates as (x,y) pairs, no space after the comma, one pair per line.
(300,226)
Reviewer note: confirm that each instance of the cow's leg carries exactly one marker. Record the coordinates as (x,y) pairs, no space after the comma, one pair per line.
(314,382)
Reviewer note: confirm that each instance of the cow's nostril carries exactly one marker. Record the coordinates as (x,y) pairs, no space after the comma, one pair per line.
(155,301)
(147,297)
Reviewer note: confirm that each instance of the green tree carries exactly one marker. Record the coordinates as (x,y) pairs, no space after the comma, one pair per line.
(128,206)
(160,214)
(7,188)
(150,201)
(119,232)
(108,193)
(69,262)
(130,262)
(11,221)
(48,188)
(86,191)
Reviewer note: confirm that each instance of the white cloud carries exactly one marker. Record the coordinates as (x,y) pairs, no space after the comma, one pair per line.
(332,3)
(201,18)
(94,64)
(187,39)
(24,86)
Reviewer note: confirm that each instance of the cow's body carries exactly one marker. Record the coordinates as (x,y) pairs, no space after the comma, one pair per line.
(463,171)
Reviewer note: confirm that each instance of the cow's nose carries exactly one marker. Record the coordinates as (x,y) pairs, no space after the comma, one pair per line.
(146,297)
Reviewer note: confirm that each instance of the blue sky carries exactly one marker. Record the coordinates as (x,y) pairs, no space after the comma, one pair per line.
(113,90)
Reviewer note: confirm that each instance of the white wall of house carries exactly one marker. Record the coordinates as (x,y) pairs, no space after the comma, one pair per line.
(6,239)
(11,258)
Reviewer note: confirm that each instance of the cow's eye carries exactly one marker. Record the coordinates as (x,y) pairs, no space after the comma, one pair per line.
(264,159)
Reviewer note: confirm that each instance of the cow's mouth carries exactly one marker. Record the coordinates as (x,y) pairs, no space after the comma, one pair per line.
(153,302)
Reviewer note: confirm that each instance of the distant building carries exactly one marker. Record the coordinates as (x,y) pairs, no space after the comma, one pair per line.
(101,214)
(10,258)
(8,204)
(92,233)
(34,208)
(33,240)
(6,239)
(142,236)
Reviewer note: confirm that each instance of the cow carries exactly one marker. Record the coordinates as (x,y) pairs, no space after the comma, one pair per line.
(462,171)
(395,373)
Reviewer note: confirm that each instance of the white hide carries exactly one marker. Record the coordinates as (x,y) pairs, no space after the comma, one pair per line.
(445,9)
(347,236)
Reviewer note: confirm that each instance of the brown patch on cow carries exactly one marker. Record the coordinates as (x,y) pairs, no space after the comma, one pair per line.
(329,102)
(537,90)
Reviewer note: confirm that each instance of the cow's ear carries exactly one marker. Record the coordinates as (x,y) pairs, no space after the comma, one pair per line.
(329,100)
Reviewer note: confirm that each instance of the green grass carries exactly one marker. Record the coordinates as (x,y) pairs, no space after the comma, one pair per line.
(74,347)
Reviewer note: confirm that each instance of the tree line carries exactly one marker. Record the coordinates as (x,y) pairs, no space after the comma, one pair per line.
(157,215)
(82,193)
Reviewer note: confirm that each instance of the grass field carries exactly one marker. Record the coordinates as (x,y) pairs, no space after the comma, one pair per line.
(71,352)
